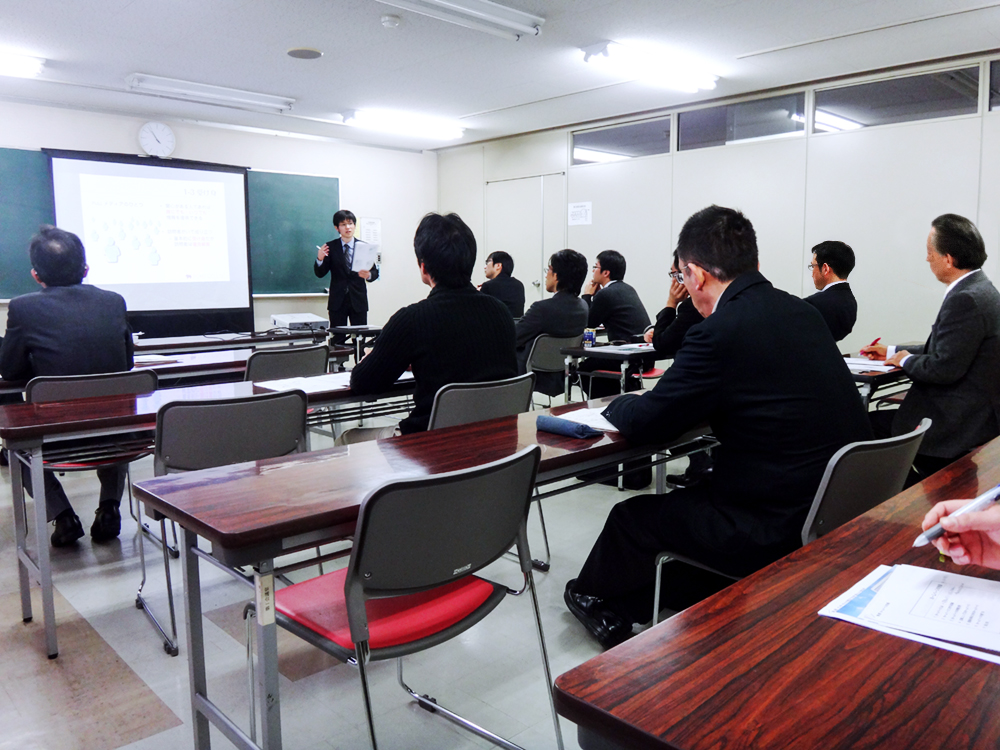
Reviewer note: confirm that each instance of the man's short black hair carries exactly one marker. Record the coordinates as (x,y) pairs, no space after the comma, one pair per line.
(958,237)
(570,268)
(57,256)
(613,262)
(507,263)
(721,241)
(341,216)
(447,248)
(836,254)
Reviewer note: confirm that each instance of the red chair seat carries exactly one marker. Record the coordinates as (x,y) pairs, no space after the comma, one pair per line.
(653,372)
(318,604)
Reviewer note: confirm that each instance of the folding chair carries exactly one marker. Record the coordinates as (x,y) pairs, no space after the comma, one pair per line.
(410,583)
(545,357)
(857,478)
(287,362)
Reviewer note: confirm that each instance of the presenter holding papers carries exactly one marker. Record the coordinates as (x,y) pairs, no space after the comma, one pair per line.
(351,264)
(967,531)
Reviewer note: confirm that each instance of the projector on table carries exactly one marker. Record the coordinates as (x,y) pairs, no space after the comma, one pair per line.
(300,322)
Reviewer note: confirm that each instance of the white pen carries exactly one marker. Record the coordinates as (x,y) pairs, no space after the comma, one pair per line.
(980,503)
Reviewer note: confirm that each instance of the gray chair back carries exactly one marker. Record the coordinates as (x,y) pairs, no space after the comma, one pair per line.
(462,403)
(860,476)
(545,355)
(194,435)
(68,387)
(287,362)
(416,534)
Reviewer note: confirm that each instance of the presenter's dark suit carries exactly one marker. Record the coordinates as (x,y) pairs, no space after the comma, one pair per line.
(508,290)
(348,293)
(956,374)
(618,308)
(453,336)
(777,427)
(838,307)
(68,330)
(561,315)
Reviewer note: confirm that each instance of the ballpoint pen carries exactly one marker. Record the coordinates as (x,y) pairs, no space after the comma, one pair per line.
(875,341)
(980,503)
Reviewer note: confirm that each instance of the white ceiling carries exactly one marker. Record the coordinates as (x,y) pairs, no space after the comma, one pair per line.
(494,87)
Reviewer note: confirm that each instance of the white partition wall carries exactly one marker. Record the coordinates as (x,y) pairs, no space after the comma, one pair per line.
(878,190)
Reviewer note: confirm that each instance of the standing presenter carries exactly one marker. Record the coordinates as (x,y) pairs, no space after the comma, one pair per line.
(351,264)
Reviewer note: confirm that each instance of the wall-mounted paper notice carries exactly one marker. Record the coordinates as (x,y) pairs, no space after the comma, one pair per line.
(580,213)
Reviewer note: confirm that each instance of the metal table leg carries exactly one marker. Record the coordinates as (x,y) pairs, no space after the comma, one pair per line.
(44,559)
(268,701)
(195,639)
(21,536)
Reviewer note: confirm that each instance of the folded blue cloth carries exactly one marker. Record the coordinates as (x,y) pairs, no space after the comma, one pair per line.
(565,427)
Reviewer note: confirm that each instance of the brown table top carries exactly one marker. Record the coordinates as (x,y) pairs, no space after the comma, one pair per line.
(246,505)
(222,341)
(755,667)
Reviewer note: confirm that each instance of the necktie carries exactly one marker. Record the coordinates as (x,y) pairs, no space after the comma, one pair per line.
(350,256)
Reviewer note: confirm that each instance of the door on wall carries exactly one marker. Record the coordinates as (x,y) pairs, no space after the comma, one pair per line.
(526,218)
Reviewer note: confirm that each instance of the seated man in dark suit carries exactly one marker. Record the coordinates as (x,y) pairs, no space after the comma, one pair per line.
(777,427)
(68,328)
(456,335)
(562,315)
(500,284)
(956,374)
(832,263)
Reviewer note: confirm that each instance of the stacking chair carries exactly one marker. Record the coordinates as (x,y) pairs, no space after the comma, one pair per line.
(545,356)
(193,435)
(857,478)
(462,403)
(287,362)
(410,582)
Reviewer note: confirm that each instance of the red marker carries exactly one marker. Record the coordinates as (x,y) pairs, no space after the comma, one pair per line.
(875,341)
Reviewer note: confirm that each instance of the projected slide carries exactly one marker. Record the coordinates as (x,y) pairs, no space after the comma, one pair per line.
(149,231)
(166,238)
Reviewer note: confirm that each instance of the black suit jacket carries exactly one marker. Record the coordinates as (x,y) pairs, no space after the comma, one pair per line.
(618,308)
(345,284)
(838,307)
(66,330)
(672,325)
(777,423)
(508,290)
(561,315)
(956,374)
(453,336)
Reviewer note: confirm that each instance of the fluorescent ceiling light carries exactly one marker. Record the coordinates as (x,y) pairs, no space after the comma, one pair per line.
(827,122)
(651,65)
(479,15)
(203,93)
(598,157)
(20,66)
(404,123)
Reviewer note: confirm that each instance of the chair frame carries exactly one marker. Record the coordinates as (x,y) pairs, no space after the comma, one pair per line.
(540,350)
(509,386)
(900,447)
(262,357)
(373,575)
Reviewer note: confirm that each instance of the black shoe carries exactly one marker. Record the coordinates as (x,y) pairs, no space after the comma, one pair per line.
(4,461)
(606,626)
(107,523)
(685,480)
(68,529)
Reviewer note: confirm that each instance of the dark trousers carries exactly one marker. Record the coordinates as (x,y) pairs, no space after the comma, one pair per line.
(346,316)
(620,567)
(923,465)
(112,480)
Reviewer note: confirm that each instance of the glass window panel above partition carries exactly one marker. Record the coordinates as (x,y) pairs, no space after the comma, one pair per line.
(943,94)
(717,126)
(622,142)
(995,84)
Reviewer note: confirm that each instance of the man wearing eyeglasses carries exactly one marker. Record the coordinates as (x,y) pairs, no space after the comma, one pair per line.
(778,418)
(341,258)
(832,263)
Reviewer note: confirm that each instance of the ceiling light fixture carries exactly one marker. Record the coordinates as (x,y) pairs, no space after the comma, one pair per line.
(651,65)
(479,15)
(404,123)
(828,122)
(203,93)
(20,66)
(596,157)
(304,53)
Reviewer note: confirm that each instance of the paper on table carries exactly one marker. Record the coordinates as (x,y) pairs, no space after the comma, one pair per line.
(860,364)
(153,359)
(589,417)
(364,257)
(622,349)
(852,605)
(318,383)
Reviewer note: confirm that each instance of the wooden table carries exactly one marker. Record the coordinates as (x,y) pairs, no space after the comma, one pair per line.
(624,359)
(755,667)
(254,512)
(871,381)
(215,342)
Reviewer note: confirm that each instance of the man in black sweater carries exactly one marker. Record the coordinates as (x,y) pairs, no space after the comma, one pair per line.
(832,262)
(456,335)
(501,284)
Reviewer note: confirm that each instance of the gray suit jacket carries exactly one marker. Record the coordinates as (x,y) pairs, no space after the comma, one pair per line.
(956,374)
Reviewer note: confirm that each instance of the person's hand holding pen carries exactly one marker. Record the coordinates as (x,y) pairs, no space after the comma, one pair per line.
(874,350)
(969,538)
(322,252)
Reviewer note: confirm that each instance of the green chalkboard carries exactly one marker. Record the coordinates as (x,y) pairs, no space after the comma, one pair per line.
(25,204)
(289,216)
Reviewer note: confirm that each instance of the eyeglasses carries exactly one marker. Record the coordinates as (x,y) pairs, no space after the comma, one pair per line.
(677,276)
(811,266)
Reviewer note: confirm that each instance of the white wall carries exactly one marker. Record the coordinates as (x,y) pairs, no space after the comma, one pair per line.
(396,186)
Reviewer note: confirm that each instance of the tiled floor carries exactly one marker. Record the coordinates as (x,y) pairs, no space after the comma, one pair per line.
(492,672)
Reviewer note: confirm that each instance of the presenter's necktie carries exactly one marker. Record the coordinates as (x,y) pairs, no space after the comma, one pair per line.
(350,256)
